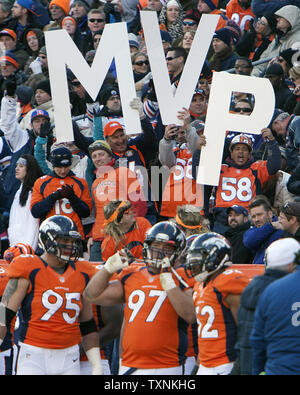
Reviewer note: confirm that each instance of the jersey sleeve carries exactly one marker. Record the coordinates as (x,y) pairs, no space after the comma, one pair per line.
(36,196)
(87,267)
(127,271)
(232,281)
(86,196)
(184,281)
(20,267)
(144,225)
(262,171)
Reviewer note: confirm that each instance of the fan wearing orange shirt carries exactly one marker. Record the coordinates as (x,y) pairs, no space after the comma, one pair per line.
(212,7)
(180,187)
(241,177)
(240,12)
(55,315)
(113,181)
(217,294)
(123,229)
(158,303)
(61,193)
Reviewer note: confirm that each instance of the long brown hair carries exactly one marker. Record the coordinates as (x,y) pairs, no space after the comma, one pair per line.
(33,172)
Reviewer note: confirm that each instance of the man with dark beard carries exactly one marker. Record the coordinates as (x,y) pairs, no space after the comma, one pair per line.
(238,224)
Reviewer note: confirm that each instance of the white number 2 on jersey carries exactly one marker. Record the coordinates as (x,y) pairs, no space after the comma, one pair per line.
(206,332)
(135,306)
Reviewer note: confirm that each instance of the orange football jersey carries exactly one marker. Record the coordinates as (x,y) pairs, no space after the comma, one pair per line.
(216,325)
(134,240)
(46,185)
(240,186)
(154,335)
(181,188)
(240,16)
(53,302)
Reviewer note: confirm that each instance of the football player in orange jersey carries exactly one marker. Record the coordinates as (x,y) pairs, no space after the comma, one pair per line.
(217,295)
(55,315)
(158,303)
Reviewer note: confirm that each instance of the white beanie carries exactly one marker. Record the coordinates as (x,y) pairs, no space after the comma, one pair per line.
(172,3)
(281,252)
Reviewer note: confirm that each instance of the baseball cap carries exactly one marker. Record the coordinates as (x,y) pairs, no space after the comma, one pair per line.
(291,208)
(111,127)
(198,125)
(281,252)
(39,113)
(199,91)
(29,5)
(241,139)
(238,209)
(133,43)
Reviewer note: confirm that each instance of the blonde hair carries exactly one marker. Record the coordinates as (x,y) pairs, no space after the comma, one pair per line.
(295,72)
(136,55)
(112,228)
(191,216)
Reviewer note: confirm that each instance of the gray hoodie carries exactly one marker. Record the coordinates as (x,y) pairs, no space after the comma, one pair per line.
(292,14)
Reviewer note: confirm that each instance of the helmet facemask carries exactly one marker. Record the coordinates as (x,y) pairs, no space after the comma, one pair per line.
(201,264)
(155,256)
(66,248)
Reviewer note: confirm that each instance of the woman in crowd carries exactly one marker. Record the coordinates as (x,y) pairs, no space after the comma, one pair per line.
(141,71)
(171,18)
(69,24)
(187,40)
(292,105)
(257,39)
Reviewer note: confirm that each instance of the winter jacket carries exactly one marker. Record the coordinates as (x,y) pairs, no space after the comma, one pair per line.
(292,14)
(249,300)
(240,253)
(275,338)
(263,7)
(258,239)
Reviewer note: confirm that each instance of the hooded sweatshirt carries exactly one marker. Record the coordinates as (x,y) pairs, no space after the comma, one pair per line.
(292,14)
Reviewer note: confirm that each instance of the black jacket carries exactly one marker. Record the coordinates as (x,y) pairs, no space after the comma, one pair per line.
(240,254)
(249,300)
